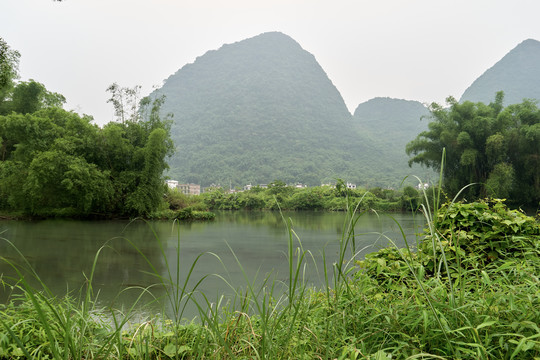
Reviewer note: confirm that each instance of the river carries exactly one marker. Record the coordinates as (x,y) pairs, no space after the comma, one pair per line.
(236,248)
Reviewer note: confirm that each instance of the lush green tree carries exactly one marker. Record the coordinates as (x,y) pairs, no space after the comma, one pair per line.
(279,188)
(55,162)
(9,69)
(31,96)
(22,97)
(410,200)
(520,125)
(42,157)
(461,130)
(497,148)
(150,189)
(341,188)
(500,181)
(136,149)
(307,199)
(12,176)
(58,183)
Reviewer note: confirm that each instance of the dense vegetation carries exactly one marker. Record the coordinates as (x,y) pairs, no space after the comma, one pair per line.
(495,148)
(55,162)
(469,291)
(517,74)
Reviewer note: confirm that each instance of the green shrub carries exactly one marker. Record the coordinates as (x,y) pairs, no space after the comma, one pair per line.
(191,215)
(482,232)
(468,236)
(470,291)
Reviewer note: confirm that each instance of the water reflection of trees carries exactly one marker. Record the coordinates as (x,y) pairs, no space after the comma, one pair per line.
(309,220)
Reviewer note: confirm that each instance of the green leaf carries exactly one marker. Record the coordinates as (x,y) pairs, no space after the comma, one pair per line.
(486,323)
(171,350)
(17,352)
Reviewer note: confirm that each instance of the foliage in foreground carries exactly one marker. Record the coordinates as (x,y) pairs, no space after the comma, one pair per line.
(470,291)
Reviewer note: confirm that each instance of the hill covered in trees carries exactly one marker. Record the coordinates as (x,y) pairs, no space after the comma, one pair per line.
(263,109)
(390,124)
(517,74)
(258,110)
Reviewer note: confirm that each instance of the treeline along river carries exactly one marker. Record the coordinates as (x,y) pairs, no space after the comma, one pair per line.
(62,252)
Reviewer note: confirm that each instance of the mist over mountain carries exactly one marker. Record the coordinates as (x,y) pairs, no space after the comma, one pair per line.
(517,74)
(258,110)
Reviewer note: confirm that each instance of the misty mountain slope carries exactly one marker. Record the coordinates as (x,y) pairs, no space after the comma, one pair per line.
(389,120)
(391,124)
(258,110)
(517,74)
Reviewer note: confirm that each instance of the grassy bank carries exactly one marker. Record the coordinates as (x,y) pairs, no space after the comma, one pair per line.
(292,198)
(469,289)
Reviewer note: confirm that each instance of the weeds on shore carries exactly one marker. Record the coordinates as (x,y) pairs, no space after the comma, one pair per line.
(468,289)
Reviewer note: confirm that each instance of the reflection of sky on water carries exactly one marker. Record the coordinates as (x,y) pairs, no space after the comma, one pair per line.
(62,251)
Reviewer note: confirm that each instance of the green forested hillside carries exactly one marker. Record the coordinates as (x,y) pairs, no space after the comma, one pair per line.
(517,74)
(258,110)
(390,124)
(263,109)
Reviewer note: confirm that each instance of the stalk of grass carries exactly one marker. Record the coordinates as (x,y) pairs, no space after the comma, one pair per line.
(296,294)
(283,313)
(260,300)
(431,219)
(348,236)
(277,316)
(42,305)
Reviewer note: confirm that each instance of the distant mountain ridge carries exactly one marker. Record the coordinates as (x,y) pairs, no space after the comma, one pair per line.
(263,109)
(391,124)
(381,115)
(517,74)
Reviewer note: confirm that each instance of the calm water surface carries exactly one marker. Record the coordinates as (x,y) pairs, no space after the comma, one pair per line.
(62,251)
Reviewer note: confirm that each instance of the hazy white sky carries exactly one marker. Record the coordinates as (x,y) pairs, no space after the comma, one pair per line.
(419,50)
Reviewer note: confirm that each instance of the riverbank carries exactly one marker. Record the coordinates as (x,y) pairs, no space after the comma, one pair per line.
(278,196)
(470,290)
